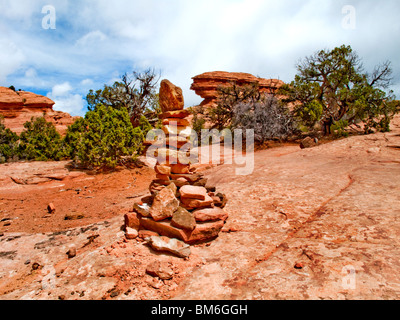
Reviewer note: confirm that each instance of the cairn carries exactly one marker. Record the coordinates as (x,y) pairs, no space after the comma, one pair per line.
(184,205)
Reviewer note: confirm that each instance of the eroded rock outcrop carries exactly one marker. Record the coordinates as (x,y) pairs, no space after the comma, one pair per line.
(18,107)
(206,84)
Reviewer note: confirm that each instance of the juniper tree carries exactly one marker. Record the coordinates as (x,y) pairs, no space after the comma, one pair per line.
(331,87)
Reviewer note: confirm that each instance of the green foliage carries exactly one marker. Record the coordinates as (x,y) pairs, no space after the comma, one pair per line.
(136,93)
(144,125)
(338,129)
(8,142)
(73,138)
(198,120)
(220,116)
(40,141)
(331,86)
(107,137)
(310,113)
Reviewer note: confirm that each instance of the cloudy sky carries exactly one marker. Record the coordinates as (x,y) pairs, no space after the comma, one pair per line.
(93,42)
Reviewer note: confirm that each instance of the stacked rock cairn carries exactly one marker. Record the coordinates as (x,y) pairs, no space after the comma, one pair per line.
(183,207)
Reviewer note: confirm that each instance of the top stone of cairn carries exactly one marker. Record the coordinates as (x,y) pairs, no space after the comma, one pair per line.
(171,97)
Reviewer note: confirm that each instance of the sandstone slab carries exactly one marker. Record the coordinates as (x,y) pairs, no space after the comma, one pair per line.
(183,219)
(131,233)
(191,204)
(164,205)
(203,232)
(173,246)
(160,269)
(210,214)
(132,221)
(193,192)
(176,122)
(180,114)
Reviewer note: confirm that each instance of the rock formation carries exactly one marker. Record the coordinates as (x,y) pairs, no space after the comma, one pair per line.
(18,107)
(206,84)
(183,205)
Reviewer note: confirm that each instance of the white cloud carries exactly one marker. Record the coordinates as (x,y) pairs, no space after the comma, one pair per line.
(65,100)
(61,90)
(87,82)
(11,59)
(103,39)
(92,38)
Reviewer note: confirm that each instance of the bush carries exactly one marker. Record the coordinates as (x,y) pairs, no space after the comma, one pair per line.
(73,138)
(40,141)
(269,119)
(8,142)
(107,137)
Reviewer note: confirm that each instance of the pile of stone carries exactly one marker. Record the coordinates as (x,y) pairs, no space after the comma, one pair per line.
(183,205)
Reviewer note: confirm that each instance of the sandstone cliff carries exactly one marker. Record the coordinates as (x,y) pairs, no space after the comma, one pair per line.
(18,107)
(206,84)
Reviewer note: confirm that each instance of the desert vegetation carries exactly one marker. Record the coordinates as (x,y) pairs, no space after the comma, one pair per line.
(331,95)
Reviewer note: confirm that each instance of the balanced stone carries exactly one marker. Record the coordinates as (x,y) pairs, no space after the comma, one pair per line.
(170,97)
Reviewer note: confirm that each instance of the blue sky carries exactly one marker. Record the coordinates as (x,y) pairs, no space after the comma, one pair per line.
(96,41)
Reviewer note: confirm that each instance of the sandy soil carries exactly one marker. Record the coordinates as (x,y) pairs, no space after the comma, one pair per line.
(320,223)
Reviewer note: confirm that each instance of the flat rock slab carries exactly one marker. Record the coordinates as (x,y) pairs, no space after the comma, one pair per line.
(183,219)
(191,204)
(202,233)
(210,214)
(193,192)
(173,246)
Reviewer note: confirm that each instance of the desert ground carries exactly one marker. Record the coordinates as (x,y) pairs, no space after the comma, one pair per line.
(319,223)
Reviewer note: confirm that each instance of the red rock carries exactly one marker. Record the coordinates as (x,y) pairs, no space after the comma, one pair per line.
(131,233)
(132,221)
(180,114)
(182,131)
(142,209)
(192,178)
(143,234)
(164,177)
(210,214)
(170,97)
(206,84)
(183,219)
(51,208)
(168,156)
(298,265)
(171,245)
(308,143)
(160,169)
(160,269)
(203,231)
(193,192)
(176,122)
(19,107)
(191,204)
(164,205)
(223,200)
(178,142)
(180,168)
